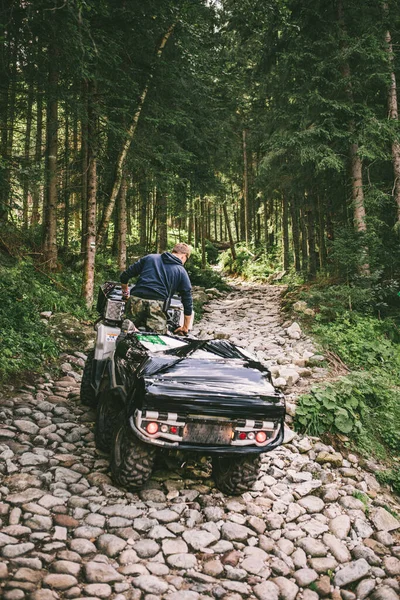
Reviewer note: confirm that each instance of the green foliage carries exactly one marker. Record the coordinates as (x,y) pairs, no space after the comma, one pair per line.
(207,277)
(362,404)
(257,267)
(390,477)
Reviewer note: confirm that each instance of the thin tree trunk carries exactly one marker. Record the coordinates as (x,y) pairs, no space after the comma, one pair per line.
(143,213)
(321,232)
(247,213)
(84,164)
(295,233)
(90,237)
(312,265)
(266,241)
(203,234)
(304,251)
(27,148)
(285,231)
(355,159)
(50,242)
(393,115)
(127,144)
(162,211)
(38,159)
(228,226)
(66,190)
(122,225)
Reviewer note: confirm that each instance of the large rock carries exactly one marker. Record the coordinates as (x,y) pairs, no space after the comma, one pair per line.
(151,584)
(199,539)
(352,572)
(294,331)
(235,532)
(96,572)
(383,520)
(340,526)
(266,591)
(287,589)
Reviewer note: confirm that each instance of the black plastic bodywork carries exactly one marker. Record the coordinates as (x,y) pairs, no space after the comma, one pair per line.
(228,385)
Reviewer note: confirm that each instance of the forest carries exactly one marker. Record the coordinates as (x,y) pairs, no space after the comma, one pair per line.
(264,134)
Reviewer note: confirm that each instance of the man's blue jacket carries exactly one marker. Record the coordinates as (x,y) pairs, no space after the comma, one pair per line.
(160,276)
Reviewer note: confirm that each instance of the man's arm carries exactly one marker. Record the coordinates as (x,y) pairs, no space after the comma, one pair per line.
(125,276)
(185,326)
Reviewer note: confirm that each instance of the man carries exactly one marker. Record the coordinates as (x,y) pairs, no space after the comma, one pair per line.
(160,277)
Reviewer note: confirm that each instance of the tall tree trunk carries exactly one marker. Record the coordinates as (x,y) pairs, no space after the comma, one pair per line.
(122,224)
(84,164)
(357,190)
(285,232)
(50,222)
(266,241)
(294,211)
(38,159)
(303,229)
(143,195)
(393,115)
(90,237)
(66,190)
(162,212)
(203,233)
(27,148)
(127,144)
(312,255)
(321,236)
(247,211)
(228,227)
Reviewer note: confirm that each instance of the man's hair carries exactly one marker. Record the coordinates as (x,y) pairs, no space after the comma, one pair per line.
(182,248)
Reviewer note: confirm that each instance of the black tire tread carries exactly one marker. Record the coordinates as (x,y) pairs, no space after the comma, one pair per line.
(137,459)
(87,394)
(234,475)
(107,412)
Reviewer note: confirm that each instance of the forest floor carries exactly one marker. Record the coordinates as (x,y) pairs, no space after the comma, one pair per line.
(316,524)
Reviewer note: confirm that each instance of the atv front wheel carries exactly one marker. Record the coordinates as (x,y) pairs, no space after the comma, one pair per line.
(235,475)
(107,412)
(87,395)
(132,461)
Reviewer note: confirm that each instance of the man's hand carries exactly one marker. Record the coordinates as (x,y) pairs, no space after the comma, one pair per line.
(184,330)
(125,291)
(181,330)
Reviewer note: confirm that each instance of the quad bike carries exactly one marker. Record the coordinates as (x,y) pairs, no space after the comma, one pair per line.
(163,393)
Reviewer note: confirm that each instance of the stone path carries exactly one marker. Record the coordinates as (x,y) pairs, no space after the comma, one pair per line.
(315,525)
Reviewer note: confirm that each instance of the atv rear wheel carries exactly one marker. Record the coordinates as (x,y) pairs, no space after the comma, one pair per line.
(107,412)
(235,475)
(87,394)
(132,461)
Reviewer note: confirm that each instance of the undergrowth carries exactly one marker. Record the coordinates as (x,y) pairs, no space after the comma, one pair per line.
(26,340)
(363,405)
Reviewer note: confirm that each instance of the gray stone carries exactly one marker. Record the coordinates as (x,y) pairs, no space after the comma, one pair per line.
(66,566)
(391,564)
(384,593)
(199,539)
(362,528)
(182,561)
(26,426)
(287,589)
(59,581)
(151,584)
(183,595)
(340,526)
(323,565)
(364,588)
(146,548)
(11,551)
(338,549)
(82,546)
(110,544)
(383,520)
(305,576)
(312,504)
(96,572)
(352,572)
(98,590)
(313,547)
(175,546)
(234,532)
(267,590)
